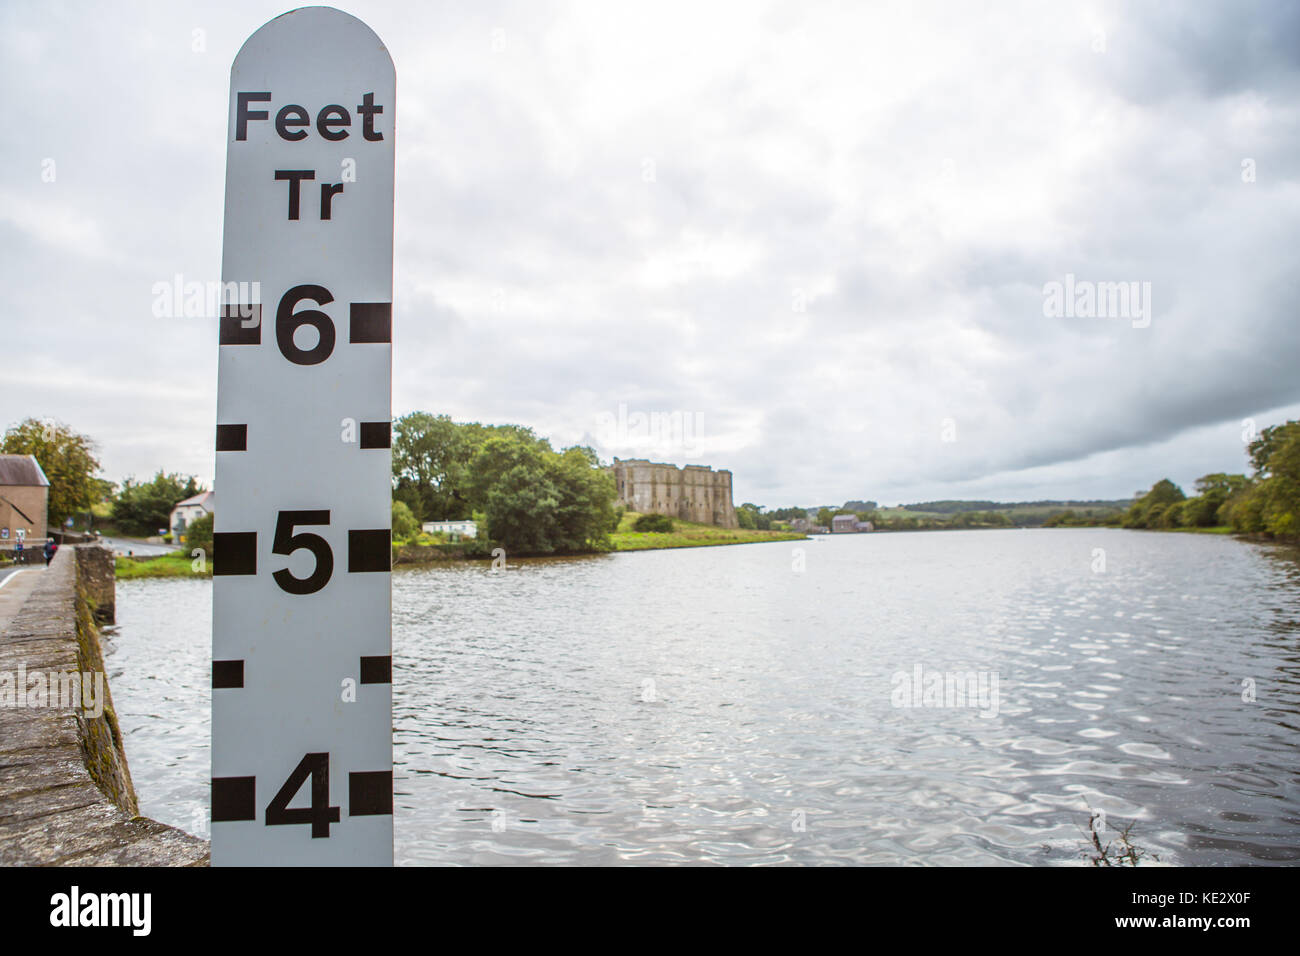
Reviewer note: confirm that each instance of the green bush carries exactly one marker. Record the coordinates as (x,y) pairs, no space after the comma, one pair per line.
(404,524)
(655,523)
(198,534)
(141,509)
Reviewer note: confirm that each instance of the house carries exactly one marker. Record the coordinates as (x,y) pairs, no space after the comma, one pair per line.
(844,524)
(456,529)
(24,498)
(808,526)
(186,512)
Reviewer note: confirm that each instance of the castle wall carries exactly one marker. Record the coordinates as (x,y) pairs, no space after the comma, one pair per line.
(694,493)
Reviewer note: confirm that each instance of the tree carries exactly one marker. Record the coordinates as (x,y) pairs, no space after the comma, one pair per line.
(521,506)
(1244,510)
(1269,443)
(1269,501)
(1149,510)
(750,516)
(68,460)
(404,524)
(1281,486)
(431,466)
(536,500)
(198,534)
(144,508)
(433,463)
(586,499)
(1211,493)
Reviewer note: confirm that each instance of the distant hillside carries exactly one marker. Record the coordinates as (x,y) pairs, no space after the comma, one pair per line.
(954,513)
(953,507)
(1022,514)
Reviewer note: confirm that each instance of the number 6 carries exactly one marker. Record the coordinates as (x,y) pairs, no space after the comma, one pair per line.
(287,322)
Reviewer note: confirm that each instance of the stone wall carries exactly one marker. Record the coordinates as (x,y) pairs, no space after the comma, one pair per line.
(65,788)
(97,579)
(694,493)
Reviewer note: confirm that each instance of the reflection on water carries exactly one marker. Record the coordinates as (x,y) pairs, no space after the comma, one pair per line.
(717,705)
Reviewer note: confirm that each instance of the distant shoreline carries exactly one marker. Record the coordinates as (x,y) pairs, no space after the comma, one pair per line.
(180,565)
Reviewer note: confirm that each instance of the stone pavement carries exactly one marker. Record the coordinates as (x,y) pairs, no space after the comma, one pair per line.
(65,789)
(14,589)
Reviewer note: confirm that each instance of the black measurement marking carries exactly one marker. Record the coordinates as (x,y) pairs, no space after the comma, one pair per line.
(232,438)
(370,793)
(234,552)
(370,550)
(233,799)
(232,329)
(320,814)
(371,323)
(376,434)
(227,674)
(377,670)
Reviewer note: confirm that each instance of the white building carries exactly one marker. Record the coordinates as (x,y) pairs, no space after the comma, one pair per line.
(463,529)
(190,510)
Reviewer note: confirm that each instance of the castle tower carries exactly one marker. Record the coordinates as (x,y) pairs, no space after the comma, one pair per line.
(695,493)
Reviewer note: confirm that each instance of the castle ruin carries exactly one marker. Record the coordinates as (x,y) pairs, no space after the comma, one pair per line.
(694,493)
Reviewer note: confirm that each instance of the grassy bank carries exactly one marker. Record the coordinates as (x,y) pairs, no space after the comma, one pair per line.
(176,564)
(686,534)
(424,549)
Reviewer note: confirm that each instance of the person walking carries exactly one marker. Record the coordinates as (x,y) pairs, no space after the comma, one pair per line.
(50,548)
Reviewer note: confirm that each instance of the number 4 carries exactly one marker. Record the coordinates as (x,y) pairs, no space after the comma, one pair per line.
(320,814)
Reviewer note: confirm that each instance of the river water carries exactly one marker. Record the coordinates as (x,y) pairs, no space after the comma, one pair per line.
(775,703)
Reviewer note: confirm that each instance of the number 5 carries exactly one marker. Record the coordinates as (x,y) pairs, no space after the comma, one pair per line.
(286,542)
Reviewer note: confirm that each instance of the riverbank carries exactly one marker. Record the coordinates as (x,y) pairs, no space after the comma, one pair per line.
(687,534)
(175,564)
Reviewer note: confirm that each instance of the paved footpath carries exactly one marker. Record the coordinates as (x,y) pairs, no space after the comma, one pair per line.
(51,810)
(15,585)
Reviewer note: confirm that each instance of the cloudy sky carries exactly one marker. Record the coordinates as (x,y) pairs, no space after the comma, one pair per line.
(806,242)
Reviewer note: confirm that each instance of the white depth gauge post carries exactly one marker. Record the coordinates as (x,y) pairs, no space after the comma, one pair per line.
(302,757)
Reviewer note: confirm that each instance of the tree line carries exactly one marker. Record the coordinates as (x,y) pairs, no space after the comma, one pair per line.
(534,499)
(1267,501)
(527,496)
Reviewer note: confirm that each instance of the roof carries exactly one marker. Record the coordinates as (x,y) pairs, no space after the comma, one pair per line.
(22,470)
(205,499)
